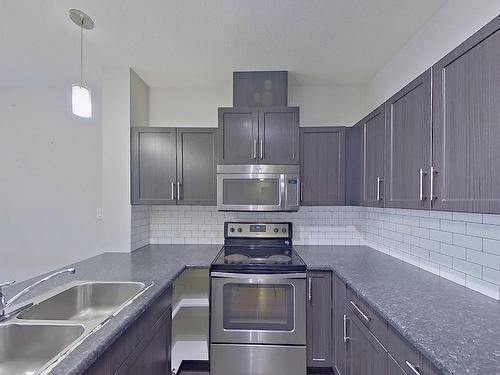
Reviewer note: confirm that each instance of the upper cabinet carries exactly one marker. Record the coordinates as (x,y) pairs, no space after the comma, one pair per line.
(238,135)
(260,128)
(174,166)
(373,155)
(260,89)
(322,152)
(466,120)
(259,135)
(196,166)
(153,165)
(408,145)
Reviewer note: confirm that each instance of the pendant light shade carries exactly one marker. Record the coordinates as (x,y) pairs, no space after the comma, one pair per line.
(81,101)
(81,97)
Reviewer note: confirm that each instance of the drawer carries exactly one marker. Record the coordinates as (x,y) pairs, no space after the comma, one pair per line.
(375,323)
(402,351)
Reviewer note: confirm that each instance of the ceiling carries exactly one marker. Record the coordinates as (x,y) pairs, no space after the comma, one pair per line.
(183,43)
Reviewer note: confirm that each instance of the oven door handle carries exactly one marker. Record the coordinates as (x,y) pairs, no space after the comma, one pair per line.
(298,275)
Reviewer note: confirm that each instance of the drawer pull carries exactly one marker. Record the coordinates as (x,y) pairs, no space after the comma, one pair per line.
(414,369)
(365,317)
(346,338)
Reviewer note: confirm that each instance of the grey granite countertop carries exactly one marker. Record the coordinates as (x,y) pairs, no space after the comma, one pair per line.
(454,327)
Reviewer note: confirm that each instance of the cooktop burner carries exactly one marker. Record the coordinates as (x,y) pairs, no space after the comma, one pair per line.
(271,259)
(258,247)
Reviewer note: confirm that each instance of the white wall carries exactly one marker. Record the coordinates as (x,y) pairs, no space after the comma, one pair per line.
(116,159)
(451,25)
(50,185)
(327,105)
(197,106)
(139,101)
(189,106)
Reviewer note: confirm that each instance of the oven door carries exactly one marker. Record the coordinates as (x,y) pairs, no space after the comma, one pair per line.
(258,309)
(250,191)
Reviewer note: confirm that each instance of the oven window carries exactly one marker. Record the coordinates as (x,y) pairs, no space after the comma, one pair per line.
(251,191)
(258,307)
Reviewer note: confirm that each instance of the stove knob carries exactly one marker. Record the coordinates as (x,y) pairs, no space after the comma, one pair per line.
(239,230)
(276,230)
(284,230)
(231,230)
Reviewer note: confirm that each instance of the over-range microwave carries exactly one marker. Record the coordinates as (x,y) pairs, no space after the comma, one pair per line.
(258,187)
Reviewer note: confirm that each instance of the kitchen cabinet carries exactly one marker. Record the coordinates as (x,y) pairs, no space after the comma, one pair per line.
(279,135)
(238,135)
(174,166)
(339,326)
(145,347)
(353,162)
(365,354)
(197,166)
(153,165)
(466,118)
(267,135)
(260,89)
(393,368)
(373,158)
(322,166)
(408,145)
(319,319)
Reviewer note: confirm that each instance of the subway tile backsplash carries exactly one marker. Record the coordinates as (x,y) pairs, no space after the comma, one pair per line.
(461,247)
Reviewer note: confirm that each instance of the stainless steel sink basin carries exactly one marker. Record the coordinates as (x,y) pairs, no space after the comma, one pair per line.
(26,348)
(83,302)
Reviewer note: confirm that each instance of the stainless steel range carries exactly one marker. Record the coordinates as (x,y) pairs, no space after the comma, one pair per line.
(258,302)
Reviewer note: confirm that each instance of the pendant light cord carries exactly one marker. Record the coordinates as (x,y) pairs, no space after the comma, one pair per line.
(81,53)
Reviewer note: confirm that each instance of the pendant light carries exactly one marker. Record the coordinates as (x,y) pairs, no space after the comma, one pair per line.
(81,97)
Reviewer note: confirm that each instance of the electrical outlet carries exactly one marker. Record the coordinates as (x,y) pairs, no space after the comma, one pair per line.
(99,213)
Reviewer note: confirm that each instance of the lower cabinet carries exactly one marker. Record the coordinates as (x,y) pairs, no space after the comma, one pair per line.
(319,319)
(144,348)
(364,344)
(365,354)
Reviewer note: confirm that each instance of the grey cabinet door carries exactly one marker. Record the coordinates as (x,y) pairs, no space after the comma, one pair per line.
(373,155)
(238,135)
(339,310)
(408,145)
(365,355)
(353,164)
(153,165)
(393,368)
(466,116)
(196,166)
(319,319)
(322,166)
(279,135)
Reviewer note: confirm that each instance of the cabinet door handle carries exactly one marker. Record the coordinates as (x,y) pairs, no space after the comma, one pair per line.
(173,191)
(414,369)
(433,173)
(301,192)
(365,317)
(379,180)
(421,175)
(254,151)
(309,289)
(261,148)
(346,338)
(179,191)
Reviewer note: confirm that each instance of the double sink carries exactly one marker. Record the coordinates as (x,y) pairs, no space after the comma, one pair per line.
(58,321)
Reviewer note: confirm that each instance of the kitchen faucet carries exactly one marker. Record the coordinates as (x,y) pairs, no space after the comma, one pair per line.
(4,304)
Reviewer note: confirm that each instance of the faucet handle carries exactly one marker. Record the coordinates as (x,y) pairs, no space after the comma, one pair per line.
(2,285)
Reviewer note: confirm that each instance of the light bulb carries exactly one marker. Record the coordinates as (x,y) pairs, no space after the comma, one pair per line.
(81,101)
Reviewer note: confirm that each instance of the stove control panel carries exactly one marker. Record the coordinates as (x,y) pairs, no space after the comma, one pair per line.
(257,230)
